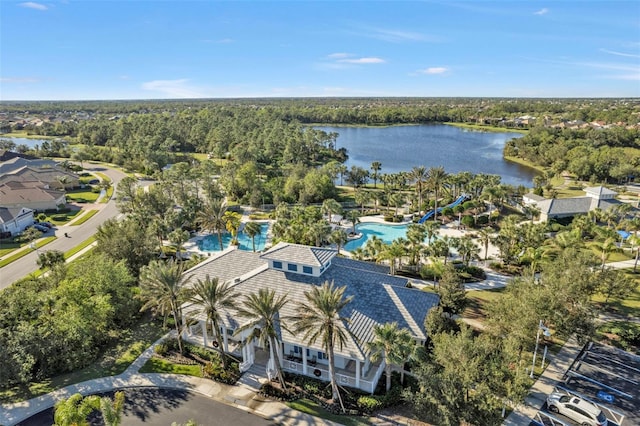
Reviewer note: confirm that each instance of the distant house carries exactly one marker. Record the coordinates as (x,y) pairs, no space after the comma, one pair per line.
(31,195)
(17,162)
(48,177)
(8,155)
(597,197)
(292,269)
(15,219)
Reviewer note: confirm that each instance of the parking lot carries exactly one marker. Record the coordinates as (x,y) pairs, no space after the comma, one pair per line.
(606,376)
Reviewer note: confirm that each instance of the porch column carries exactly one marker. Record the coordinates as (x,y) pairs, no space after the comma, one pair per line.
(281,354)
(245,357)
(203,327)
(225,338)
(357,373)
(304,361)
(186,331)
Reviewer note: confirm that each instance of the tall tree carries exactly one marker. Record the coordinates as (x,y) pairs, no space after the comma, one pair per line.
(376,166)
(436,181)
(111,410)
(212,297)
(75,410)
(390,344)
(262,312)
(320,318)
(339,238)
(419,175)
(163,287)
(252,229)
(212,219)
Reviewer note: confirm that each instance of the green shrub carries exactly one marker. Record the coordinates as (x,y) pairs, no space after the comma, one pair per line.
(59,217)
(160,349)
(468,221)
(369,403)
(483,220)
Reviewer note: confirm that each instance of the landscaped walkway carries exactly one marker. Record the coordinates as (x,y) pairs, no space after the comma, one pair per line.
(241,397)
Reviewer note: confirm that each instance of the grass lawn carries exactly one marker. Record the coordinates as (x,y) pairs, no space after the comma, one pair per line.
(487,128)
(113,361)
(629,307)
(82,194)
(79,247)
(85,217)
(157,365)
(26,135)
(478,302)
(67,217)
(308,406)
(16,256)
(524,162)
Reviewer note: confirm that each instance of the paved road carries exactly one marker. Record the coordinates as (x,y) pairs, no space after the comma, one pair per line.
(150,406)
(27,264)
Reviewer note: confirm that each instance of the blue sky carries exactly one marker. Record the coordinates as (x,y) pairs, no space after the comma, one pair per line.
(76,50)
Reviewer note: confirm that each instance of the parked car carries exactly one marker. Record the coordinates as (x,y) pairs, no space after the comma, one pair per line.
(40,227)
(584,412)
(94,182)
(47,224)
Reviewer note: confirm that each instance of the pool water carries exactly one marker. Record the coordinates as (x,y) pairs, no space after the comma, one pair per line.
(210,242)
(386,233)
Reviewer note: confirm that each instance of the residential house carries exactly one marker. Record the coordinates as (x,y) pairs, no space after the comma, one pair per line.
(31,195)
(292,269)
(48,177)
(14,220)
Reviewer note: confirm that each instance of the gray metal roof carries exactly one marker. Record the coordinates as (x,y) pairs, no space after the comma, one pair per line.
(565,206)
(302,255)
(378,298)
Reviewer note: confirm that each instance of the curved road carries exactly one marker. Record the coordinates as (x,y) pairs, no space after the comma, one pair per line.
(27,264)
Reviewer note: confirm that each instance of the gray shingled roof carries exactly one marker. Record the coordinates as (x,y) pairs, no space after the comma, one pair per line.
(227,265)
(599,191)
(302,255)
(377,298)
(566,206)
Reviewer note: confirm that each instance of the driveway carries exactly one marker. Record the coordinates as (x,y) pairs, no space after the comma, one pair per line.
(77,234)
(152,406)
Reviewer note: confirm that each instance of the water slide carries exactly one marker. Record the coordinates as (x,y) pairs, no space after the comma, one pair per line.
(430,213)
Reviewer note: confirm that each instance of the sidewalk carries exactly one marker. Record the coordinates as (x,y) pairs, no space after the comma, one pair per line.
(538,393)
(241,397)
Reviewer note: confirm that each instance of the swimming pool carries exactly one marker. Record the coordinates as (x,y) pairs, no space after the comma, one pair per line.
(210,242)
(386,233)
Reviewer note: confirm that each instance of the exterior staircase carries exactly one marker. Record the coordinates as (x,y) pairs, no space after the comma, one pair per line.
(254,377)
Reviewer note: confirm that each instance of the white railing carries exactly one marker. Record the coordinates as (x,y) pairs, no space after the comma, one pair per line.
(547,419)
(244,366)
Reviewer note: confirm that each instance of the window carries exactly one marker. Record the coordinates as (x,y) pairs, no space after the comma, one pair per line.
(292,267)
(297,349)
(307,269)
(308,354)
(321,355)
(277,265)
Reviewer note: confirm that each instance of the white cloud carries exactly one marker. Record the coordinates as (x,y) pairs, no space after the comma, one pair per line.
(626,55)
(174,88)
(542,11)
(370,60)
(338,55)
(395,36)
(18,80)
(434,70)
(33,5)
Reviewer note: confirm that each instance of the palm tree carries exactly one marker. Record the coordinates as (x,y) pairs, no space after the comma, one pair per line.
(339,238)
(317,232)
(376,166)
(162,287)
(361,197)
(211,217)
(177,238)
(436,181)
(605,248)
(252,229)
(353,216)
(213,297)
(387,344)
(232,222)
(111,410)
(484,235)
(331,206)
(397,199)
(74,410)
(634,240)
(419,175)
(262,312)
(394,251)
(492,193)
(320,318)
(467,249)
(416,234)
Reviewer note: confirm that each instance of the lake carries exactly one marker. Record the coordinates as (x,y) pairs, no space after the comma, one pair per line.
(31,143)
(399,148)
